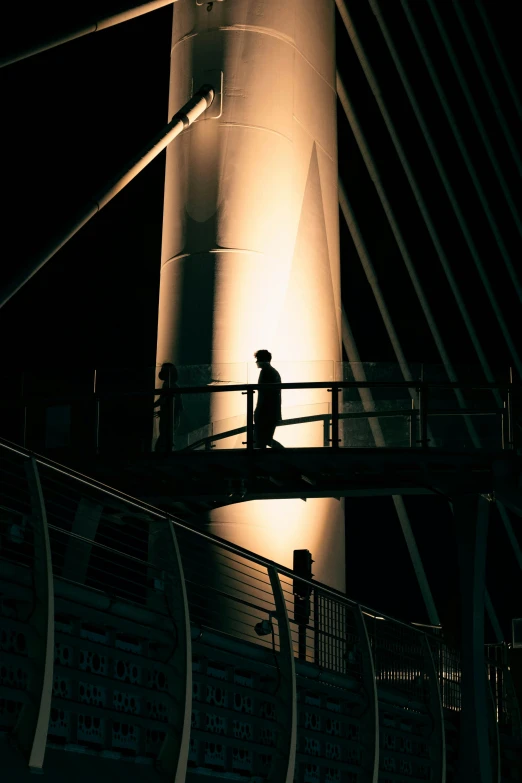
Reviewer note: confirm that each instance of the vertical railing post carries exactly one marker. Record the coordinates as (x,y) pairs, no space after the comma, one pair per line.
(471,527)
(97,424)
(164,555)
(326,432)
(423,415)
(317,628)
(369,720)
(283,769)
(24,414)
(509,411)
(413,423)
(30,733)
(494,731)
(438,734)
(335,415)
(250,419)
(96,414)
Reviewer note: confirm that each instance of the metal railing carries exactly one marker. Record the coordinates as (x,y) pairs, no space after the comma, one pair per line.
(100,538)
(410,415)
(115,634)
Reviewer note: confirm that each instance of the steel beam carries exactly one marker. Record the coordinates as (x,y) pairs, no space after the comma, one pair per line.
(79,32)
(494,733)
(30,733)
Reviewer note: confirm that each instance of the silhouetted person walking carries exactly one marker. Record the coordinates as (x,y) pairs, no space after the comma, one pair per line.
(268,409)
(170,408)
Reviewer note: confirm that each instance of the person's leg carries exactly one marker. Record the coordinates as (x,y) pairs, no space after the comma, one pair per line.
(274,444)
(262,434)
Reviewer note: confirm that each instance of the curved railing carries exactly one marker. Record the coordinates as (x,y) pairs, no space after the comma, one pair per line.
(135,598)
(351,414)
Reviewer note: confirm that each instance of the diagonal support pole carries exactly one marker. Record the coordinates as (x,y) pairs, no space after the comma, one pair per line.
(79,32)
(190,112)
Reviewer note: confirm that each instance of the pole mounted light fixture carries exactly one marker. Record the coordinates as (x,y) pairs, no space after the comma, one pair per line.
(265,627)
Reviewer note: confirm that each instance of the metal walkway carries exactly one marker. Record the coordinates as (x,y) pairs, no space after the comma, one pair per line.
(411,439)
(196,481)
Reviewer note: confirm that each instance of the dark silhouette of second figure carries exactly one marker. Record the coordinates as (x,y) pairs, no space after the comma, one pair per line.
(267,414)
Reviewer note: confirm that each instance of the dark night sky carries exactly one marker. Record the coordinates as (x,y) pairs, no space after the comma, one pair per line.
(72,116)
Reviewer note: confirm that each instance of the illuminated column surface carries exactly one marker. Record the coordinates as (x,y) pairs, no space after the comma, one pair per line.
(250,255)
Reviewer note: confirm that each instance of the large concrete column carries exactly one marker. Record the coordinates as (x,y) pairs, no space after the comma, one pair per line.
(250,253)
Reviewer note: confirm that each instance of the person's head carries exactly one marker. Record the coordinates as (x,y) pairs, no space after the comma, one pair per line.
(263,357)
(168,372)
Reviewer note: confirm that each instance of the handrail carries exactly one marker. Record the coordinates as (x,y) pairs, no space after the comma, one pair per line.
(240,387)
(333,387)
(216,540)
(327,417)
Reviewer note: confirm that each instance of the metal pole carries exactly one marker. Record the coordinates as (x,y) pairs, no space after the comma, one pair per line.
(24,421)
(250,419)
(423,416)
(301,642)
(335,415)
(511,444)
(93,27)
(284,763)
(190,112)
(30,731)
(96,417)
(317,628)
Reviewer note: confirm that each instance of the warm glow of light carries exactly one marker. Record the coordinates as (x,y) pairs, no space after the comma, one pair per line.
(277,527)
(250,253)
